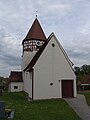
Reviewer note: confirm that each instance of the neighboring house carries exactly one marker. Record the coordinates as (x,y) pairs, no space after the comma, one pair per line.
(15,81)
(46,68)
(85,85)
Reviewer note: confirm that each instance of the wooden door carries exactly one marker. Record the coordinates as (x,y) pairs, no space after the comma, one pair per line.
(67,88)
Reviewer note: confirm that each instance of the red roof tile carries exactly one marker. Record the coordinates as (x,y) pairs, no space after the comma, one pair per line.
(16,76)
(35,32)
(87,80)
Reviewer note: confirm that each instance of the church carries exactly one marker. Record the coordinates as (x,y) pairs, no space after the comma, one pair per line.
(46,69)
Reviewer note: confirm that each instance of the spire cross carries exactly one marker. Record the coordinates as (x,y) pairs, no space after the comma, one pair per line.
(36,14)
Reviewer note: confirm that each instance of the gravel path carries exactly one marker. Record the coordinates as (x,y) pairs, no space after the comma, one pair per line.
(80,106)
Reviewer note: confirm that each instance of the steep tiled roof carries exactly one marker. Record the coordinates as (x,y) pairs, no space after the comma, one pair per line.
(87,80)
(35,32)
(16,76)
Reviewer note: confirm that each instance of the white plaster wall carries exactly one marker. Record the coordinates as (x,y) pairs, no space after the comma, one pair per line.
(75,88)
(9,88)
(51,67)
(29,86)
(19,84)
(27,76)
(25,81)
(27,57)
(28,83)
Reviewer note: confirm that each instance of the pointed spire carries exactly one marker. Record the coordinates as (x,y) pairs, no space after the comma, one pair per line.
(35,32)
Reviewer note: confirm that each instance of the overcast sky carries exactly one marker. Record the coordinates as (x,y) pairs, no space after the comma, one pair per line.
(68,19)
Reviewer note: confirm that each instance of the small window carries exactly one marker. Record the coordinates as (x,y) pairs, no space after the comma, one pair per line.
(51,84)
(53,45)
(15,87)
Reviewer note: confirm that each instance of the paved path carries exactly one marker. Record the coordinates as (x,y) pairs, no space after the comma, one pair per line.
(80,106)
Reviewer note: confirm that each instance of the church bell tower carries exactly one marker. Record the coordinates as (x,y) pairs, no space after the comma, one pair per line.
(33,41)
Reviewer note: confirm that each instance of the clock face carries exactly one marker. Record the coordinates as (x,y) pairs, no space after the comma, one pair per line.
(32,45)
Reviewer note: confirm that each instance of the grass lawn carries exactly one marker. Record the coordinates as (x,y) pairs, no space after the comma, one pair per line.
(87,96)
(38,110)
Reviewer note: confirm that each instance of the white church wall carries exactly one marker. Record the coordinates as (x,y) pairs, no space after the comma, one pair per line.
(51,67)
(29,78)
(28,83)
(26,58)
(25,81)
(75,88)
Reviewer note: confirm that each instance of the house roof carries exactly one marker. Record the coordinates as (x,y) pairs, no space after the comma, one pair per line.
(15,76)
(86,80)
(35,32)
(37,55)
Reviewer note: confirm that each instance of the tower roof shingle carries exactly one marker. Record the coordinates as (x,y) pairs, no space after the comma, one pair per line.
(35,32)
(16,76)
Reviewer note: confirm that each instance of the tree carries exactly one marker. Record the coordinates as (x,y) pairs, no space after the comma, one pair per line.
(4,83)
(82,72)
